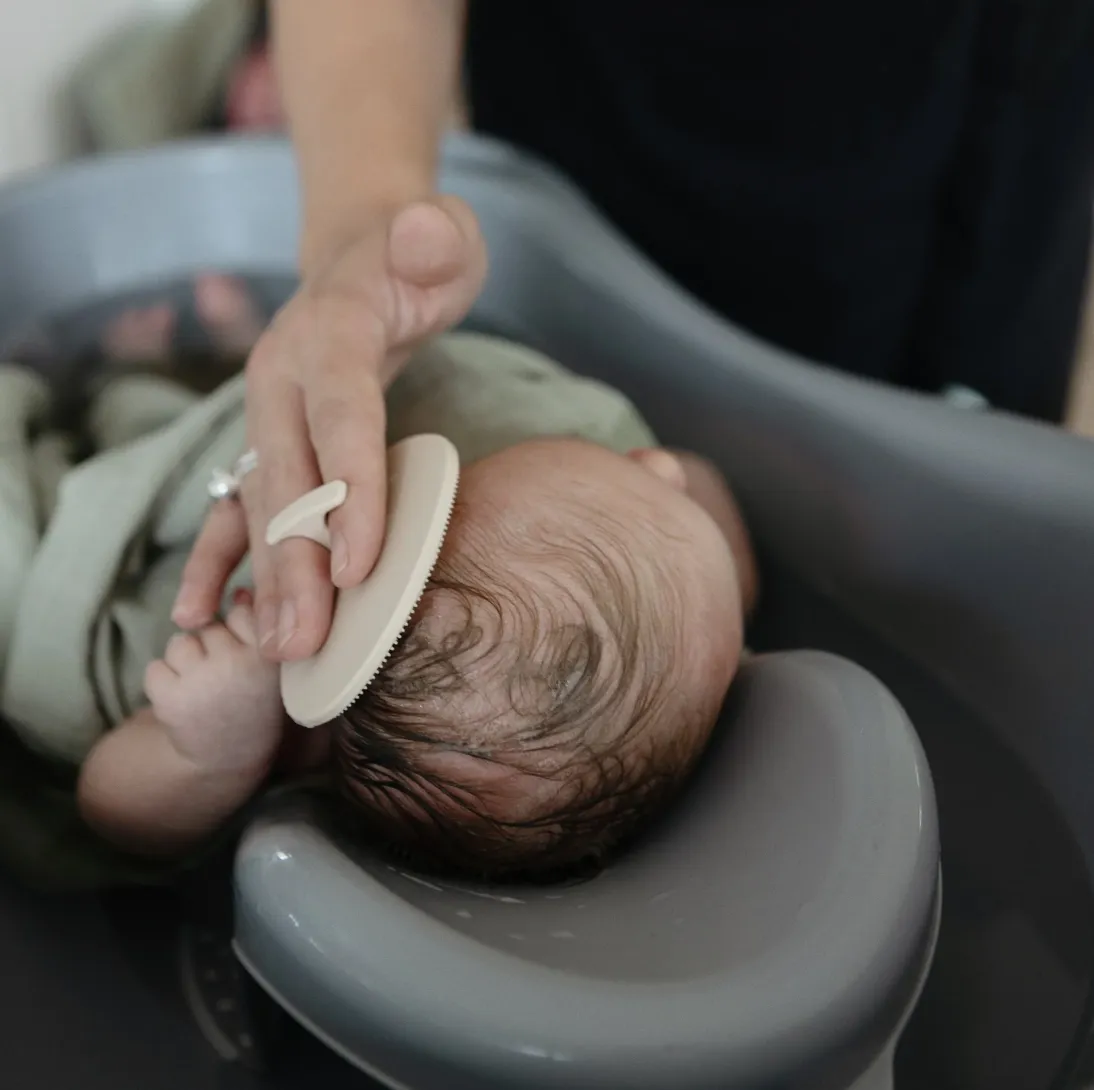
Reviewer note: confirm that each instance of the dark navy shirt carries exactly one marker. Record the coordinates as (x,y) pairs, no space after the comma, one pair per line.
(834,175)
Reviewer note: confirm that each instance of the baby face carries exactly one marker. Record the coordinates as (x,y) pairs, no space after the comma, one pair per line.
(563,670)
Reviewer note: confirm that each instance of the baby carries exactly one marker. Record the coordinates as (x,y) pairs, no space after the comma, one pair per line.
(565,667)
(559,678)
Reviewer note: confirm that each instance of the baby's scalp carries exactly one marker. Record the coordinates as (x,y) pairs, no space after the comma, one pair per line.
(544,698)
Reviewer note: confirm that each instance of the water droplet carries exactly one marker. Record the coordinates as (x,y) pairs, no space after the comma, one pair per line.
(486,895)
(421,882)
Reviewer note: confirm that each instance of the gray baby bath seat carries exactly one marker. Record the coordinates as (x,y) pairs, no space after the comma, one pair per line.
(775,931)
(925,628)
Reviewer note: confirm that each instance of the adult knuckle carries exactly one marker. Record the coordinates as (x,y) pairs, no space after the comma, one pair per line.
(344,325)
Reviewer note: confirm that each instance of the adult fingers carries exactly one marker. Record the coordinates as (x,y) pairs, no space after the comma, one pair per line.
(293,593)
(347,420)
(436,262)
(220,547)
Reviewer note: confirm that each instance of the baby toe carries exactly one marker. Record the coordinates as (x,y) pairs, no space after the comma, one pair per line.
(228,313)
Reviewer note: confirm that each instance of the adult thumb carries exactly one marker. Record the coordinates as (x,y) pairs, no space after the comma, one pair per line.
(437,257)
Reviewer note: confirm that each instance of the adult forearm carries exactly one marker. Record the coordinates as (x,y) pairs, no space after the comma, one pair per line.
(367,87)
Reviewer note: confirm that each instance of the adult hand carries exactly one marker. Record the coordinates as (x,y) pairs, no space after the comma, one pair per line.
(315,413)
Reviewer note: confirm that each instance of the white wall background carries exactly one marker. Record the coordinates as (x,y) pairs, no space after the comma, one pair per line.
(40,41)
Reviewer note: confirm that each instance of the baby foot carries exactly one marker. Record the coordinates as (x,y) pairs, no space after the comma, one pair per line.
(253,100)
(140,335)
(228,313)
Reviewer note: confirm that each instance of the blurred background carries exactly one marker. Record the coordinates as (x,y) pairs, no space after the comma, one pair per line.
(42,43)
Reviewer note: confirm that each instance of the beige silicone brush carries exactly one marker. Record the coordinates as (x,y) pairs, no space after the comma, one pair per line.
(423,475)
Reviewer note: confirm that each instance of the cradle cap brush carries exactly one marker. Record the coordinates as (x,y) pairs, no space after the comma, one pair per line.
(423,475)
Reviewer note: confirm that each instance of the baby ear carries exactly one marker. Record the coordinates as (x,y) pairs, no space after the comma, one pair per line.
(663,465)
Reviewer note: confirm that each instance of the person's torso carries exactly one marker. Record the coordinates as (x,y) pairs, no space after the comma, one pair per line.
(800,80)
(720,134)
(778,158)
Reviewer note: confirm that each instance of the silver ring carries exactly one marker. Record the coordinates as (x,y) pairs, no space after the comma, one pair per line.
(224,484)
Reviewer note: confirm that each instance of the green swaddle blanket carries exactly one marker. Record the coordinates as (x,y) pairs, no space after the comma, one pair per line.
(91,553)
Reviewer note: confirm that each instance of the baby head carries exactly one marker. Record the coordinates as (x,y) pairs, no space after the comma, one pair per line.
(561,674)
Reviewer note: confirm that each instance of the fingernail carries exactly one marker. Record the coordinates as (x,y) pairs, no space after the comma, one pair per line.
(267,623)
(286,624)
(339,555)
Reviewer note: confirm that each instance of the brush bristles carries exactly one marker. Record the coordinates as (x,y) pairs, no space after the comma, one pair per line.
(409,617)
